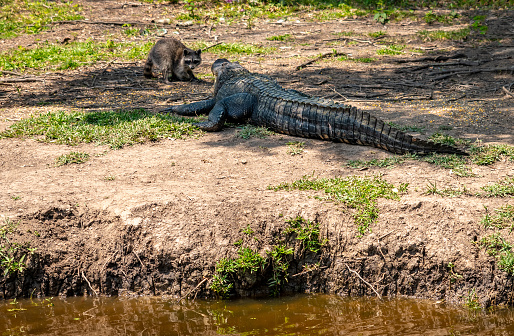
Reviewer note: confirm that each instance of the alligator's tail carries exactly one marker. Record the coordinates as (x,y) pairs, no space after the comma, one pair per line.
(317,118)
(371,131)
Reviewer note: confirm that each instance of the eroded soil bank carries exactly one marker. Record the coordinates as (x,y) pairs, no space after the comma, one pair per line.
(155,218)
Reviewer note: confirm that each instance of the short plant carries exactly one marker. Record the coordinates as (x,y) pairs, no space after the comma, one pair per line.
(191,6)
(31,17)
(489,154)
(295,147)
(250,131)
(274,269)
(380,163)
(278,259)
(129,31)
(495,244)
(503,188)
(454,276)
(502,218)
(448,139)
(12,254)
(115,129)
(72,157)
(248,230)
(285,37)
(452,35)
(433,190)
(431,17)
(307,232)
(381,17)
(478,24)
(472,302)
(391,50)
(227,270)
(356,192)
(377,34)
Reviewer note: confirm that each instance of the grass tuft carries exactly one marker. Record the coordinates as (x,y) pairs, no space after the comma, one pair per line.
(356,192)
(115,129)
(72,157)
(31,17)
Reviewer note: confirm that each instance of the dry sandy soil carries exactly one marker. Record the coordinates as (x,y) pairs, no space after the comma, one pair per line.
(154,218)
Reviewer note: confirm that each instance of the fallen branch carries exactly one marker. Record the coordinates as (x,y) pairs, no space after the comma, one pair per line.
(349,39)
(116,23)
(507,91)
(367,283)
(421,67)
(449,73)
(192,290)
(89,284)
(11,73)
(211,46)
(21,80)
(432,59)
(303,65)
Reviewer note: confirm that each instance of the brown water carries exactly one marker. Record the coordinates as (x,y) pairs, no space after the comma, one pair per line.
(297,315)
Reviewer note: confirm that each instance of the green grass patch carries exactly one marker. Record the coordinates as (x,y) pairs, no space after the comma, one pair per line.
(452,35)
(489,154)
(250,131)
(432,189)
(495,244)
(115,129)
(70,56)
(356,192)
(503,188)
(431,17)
(285,37)
(391,50)
(345,33)
(295,147)
(235,48)
(445,139)
(380,163)
(72,157)
(501,218)
(12,254)
(31,17)
(250,269)
(377,34)
(307,232)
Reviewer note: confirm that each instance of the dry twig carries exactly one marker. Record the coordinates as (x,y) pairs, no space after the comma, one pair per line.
(89,284)
(367,283)
(192,290)
(303,65)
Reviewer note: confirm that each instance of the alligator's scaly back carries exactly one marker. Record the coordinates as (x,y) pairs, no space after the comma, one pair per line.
(292,113)
(241,95)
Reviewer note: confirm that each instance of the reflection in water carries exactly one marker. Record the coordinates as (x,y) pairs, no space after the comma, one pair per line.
(296,315)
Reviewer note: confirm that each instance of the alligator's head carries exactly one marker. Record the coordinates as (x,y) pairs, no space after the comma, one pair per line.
(224,70)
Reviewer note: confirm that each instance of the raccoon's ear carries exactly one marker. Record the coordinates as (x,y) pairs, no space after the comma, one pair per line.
(186,52)
(199,51)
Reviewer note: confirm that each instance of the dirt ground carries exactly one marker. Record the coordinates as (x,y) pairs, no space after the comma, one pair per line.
(154,218)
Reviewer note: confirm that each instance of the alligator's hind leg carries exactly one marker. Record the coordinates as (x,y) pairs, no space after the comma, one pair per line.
(236,107)
(201,107)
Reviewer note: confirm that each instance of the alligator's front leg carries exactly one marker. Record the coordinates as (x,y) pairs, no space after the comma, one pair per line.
(236,107)
(193,109)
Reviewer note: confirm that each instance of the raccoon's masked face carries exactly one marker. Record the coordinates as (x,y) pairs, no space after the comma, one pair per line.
(192,58)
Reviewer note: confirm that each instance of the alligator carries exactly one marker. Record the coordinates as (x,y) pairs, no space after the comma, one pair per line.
(242,96)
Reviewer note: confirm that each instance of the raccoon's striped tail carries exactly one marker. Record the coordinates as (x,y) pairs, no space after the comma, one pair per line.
(147,70)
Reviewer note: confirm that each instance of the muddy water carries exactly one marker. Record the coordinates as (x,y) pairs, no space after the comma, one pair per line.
(298,315)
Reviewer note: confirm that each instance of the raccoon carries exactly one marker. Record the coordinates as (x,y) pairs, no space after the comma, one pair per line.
(173,59)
